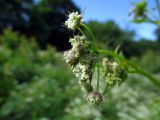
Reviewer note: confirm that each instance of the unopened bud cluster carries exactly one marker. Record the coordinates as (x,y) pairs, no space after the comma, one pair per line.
(113,72)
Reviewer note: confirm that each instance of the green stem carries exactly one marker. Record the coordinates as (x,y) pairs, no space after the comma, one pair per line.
(80,31)
(106,89)
(138,70)
(149,76)
(90,32)
(98,77)
(151,21)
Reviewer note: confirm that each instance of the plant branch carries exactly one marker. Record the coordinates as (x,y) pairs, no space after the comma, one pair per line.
(90,32)
(80,31)
(98,76)
(138,70)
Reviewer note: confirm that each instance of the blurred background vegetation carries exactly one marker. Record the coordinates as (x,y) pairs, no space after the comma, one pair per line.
(35,82)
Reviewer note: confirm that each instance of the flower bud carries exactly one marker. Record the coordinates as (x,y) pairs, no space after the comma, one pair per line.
(71,57)
(95,98)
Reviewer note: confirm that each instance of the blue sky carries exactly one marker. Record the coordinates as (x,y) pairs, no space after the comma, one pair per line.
(117,10)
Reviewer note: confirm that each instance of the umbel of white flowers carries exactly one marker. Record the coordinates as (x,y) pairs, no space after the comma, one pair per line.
(73,21)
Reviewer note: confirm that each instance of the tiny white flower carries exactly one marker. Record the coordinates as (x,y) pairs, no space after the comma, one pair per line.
(80,72)
(77,40)
(73,20)
(115,65)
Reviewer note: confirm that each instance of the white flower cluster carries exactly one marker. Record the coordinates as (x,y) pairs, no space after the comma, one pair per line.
(81,72)
(77,40)
(113,72)
(73,21)
(81,59)
(72,56)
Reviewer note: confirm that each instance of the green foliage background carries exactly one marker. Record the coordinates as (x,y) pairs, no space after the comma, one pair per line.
(36,84)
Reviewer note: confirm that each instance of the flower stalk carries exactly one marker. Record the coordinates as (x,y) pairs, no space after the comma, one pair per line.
(98,76)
